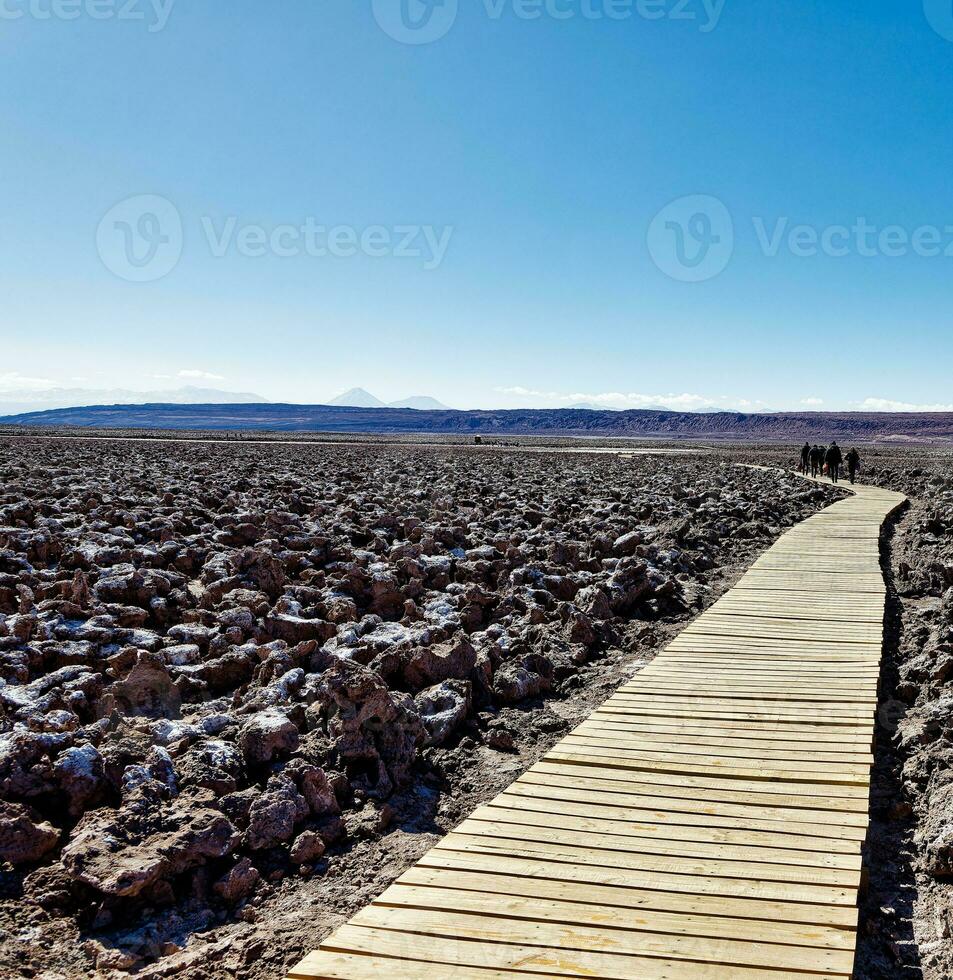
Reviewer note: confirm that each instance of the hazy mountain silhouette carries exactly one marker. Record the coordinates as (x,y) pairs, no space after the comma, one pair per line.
(423,403)
(362,398)
(358,398)
(18,401)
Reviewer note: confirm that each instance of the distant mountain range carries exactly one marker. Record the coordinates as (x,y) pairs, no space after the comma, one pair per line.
(590,407)
(16,402)
(19,402)
(360,398)
(644,424)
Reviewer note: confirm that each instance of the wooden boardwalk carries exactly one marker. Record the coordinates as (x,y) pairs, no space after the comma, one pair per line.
(705,823)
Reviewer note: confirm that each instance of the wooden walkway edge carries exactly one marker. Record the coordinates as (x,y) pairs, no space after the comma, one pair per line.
(705,823)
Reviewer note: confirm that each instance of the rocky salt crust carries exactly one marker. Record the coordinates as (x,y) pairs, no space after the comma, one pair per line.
(242,687)
(907,919)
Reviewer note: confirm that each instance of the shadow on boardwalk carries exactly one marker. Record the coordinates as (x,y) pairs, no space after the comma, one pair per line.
(887,948)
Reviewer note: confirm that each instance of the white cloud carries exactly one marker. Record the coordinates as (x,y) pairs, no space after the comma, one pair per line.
(889,405)
(812,402)
(673,401)
(195,375)
(14,381)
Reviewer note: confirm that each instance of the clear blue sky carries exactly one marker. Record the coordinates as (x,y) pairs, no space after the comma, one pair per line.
(544,147)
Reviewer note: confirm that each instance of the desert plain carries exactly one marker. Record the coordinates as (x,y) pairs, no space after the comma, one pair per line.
(245,683)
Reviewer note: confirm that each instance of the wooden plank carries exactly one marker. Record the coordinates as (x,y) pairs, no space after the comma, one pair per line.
(584,938)
(564,962)
(760,647)
(751,738)
(632,854)
(649,685)
(775,772)
(792,738)
(752,921)
(743,755)
(778,675)
(826,622)
(715,658)
(686,745)
(700,700)
(591,926)
(658,709)
(603,820)
(691,665)
(666,678)
(784,820)
(777,649)
(326,965)
(532,877)
(824,797)
(615,715)
(834,619)
(821,904)
(730,878)
(791,864)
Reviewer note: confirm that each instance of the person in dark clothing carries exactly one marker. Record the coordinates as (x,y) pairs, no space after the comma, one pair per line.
(853,464)
(833,459)
(805,457)
(817,455)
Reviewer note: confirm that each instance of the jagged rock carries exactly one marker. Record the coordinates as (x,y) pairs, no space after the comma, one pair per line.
(454,659)
(80,772)
(122,852)
(238,883)
(273,815)
(315,787)
(938,855)
(626,544)
(213,764)
(265,735)
(443,708)
(375,732)
(936,831)
(308,847)
(513,683)
(594,602)
(146,691)
(24,836)
(295,629)
(263,570)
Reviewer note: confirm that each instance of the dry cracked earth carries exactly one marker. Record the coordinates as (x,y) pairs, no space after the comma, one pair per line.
(242,687)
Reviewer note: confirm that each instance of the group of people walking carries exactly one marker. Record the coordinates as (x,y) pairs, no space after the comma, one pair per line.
(816,460)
